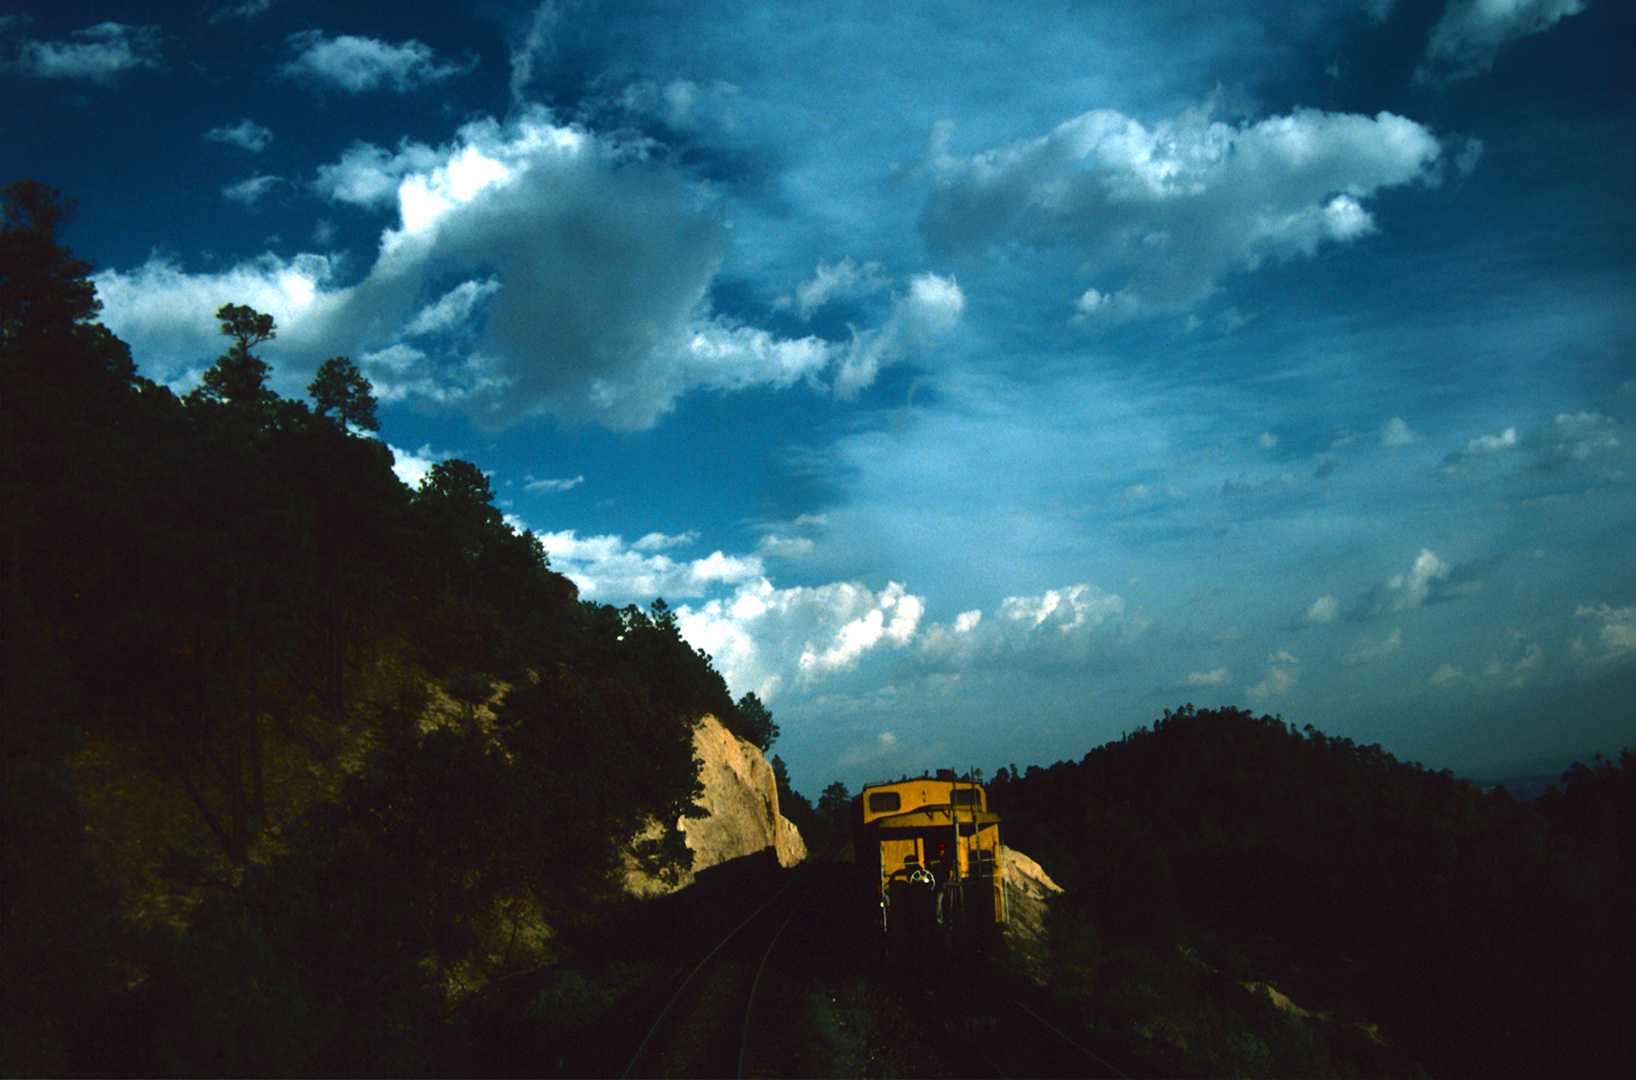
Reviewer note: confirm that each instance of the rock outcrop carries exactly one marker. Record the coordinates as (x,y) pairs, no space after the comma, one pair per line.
(741,800)
(1028,887)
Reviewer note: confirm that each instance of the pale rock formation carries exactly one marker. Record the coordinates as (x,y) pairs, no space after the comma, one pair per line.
(741,800)
(1028,887)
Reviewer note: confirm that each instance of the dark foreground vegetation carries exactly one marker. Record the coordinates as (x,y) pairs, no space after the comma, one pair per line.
(1412,921)
(294,756)
(308,772)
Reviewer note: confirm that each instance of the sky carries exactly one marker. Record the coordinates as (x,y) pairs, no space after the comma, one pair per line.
(977,381)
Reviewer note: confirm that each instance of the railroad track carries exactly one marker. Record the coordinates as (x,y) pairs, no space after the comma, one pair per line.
(1052,1052)
(791,981)
(708,1025)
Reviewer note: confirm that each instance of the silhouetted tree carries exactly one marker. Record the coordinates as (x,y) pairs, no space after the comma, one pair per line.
(340,388)
(757,722)
(239,377)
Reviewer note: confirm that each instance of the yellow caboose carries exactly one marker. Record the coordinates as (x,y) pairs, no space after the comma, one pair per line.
(933,848)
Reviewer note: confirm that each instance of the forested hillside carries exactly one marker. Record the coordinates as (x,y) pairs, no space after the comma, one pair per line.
(1431,925)
(294,755)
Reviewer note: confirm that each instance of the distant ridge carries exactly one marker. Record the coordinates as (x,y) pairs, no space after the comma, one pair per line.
(1528,780)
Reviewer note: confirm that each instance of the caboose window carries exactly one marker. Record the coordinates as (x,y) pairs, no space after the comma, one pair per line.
(884,802)
(963,796)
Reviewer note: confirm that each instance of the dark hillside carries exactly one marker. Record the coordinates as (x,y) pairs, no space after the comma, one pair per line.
(295,756)
(1483,936)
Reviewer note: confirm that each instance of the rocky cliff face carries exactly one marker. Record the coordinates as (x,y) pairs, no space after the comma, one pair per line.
(1028,887)
(741,797)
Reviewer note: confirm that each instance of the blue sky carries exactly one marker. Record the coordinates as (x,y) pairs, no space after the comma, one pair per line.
(976,380)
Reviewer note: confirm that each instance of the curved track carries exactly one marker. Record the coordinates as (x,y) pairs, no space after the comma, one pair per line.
(707,1026)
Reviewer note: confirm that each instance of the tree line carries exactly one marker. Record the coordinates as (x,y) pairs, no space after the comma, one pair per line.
(1431,924)
(293,754)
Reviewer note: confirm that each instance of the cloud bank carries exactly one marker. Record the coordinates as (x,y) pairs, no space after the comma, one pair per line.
(1162,212)
(357,65)
(534,269)
(96,54)
(1471,33)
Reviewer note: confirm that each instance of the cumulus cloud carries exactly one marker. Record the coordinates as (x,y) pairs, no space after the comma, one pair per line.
(583,269)
(1397,433)
(413,466)
(249,9)
(1370,650)
(609,570)
(357,64)
(1471,33)
(168,316)
(534,45)
(1578,438)
(1582,440)
(1404,592)
(97,53)
(1323,610)
(1054,630)
(1493,444)
(765,638)
(931,308)
(251,191)
(845,280)
(1429,580)
(246,135)
(1283,672)
(1162,212)
(552,487)
(884,748)
(1612,639)
(1220,676)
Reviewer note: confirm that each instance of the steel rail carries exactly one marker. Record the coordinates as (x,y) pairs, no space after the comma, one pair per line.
(1052,1028)
(702,964)
(755,986)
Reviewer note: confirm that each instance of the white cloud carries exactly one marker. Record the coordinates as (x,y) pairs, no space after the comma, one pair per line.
(250,192)
(551,487)
(1579,437)
(765,638)
(368,175)
(1397,433)
(845,280)
(249,9)
(246,135)
(1613,639)
(97,53)
(412,468)
(1493,444)
(168,316)
(784,547)
(536,44)
(931,308)
(1220,676)
(1411,590)
(357,64)
(885,748)
(1063,611)
(1166,211)
(1471,33)
(1323,610)
(892,616)
(611,571)
(586,268)
(1369,650)
(453,309)
(1283,672)
(1582,440)
(657,541)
